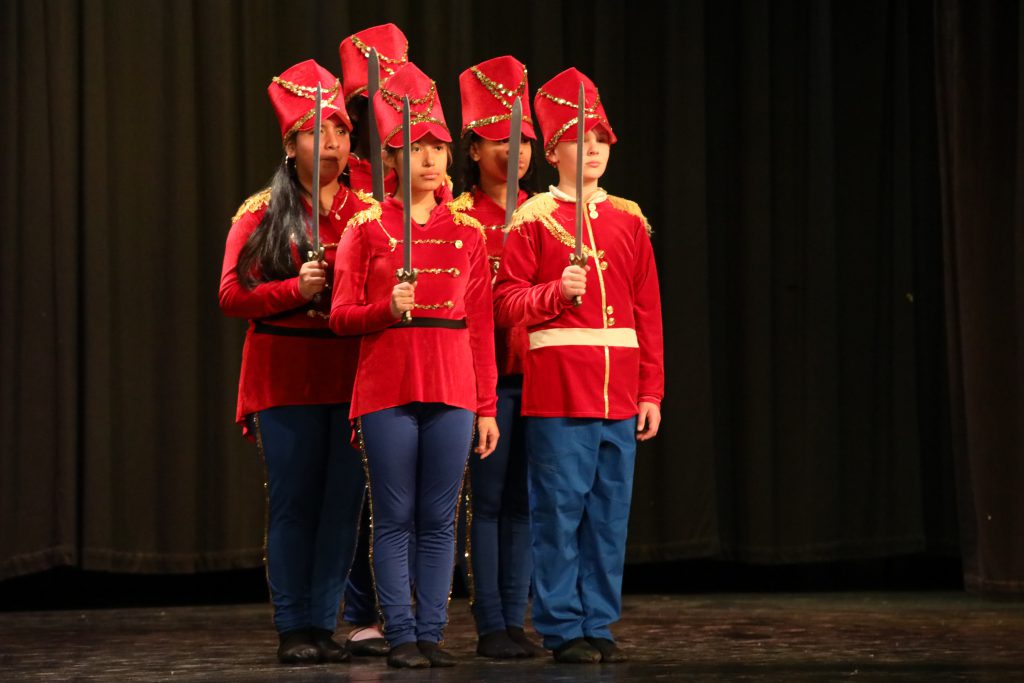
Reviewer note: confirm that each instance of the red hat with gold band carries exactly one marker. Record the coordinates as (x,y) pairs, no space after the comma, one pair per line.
(488,91)
(556,107)
(293,95)
(425,115)
(392,52)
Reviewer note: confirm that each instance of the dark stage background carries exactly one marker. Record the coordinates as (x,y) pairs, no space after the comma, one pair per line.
(837,193)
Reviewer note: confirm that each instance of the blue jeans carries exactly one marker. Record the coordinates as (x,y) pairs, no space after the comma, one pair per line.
(416,454)
(315,485)
(581,482)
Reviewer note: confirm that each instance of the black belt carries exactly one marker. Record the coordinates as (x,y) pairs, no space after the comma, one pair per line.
(447,323)
(282,331)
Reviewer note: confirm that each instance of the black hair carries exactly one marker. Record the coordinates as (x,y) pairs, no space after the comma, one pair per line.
(471,169)
(267,254)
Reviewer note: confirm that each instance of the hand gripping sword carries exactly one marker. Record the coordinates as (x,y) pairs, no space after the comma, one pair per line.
(577,257)
(406,273)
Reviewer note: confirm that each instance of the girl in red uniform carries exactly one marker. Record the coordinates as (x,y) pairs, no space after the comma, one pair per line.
(420,385)
(498,562)
(296,378)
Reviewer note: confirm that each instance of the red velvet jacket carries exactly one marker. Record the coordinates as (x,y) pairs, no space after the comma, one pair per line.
(400,365)
(510,343)
(279,369)
(604,357)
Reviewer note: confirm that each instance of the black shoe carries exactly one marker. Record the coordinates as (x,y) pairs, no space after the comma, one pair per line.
(297,647)
(367,647)
(610,652)
(407,656)
(576,651)
(498,645)
(520,638)
(435,655)
(328,648)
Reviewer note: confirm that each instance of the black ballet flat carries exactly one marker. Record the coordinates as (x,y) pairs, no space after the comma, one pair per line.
(407,656)
(297,647)
(328,648)
(577,651)
(435,655)
(610,652)
(520,638)
(498,645)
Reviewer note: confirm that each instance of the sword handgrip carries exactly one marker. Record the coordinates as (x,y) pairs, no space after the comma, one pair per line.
(404,275)
(581,261)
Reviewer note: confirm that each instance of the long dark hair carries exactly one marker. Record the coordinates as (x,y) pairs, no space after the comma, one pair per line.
(267,255)
(471,170)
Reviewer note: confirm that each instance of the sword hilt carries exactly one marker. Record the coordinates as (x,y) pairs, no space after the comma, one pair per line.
(580,261)
(409,276)
(317,256)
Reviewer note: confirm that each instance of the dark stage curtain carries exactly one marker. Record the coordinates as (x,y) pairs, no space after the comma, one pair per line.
(786,154)
(980,77)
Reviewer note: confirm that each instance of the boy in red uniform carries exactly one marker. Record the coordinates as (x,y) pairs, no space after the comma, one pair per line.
(594,375)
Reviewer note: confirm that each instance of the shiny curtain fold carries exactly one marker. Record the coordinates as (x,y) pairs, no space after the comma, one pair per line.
(980,83)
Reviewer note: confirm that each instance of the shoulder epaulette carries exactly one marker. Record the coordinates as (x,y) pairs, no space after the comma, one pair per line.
(364,197)
(537,207)
(464,202)
(458,208)
(370,213)
(630,207)
(252,204)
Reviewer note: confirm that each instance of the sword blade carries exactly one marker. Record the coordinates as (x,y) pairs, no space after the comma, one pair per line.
(315,190)
(581,113)
(512,168)
(406,186)
(376,164)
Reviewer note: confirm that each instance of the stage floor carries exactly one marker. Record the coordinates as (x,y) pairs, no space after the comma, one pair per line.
(932,637)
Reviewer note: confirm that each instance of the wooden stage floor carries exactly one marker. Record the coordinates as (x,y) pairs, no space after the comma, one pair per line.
(905,636)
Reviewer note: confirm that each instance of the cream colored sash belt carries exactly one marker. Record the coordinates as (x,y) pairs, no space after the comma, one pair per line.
(583,336)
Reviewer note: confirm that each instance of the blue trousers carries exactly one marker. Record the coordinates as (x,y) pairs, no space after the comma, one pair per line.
(499,554)
(315,487)
(416,456)
(581,483)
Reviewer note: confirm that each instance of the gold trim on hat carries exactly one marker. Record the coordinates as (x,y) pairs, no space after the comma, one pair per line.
(394,99)
(589,113)
(412,122)
(498,91)
(383,59)
(308,92)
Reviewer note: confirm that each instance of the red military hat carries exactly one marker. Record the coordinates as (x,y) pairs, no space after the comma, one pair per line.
(556,106)
(293,95)
(392,51)
(488,91)
(425,113)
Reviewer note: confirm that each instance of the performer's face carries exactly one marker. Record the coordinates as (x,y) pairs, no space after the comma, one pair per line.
(334,149)
(492,158)
(596,150)
(428,164)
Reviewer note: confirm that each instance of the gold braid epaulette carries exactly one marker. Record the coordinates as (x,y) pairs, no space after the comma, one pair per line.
(458,207)
(630,207)
(252,204)
(464,202)
(370,213)
(539,209)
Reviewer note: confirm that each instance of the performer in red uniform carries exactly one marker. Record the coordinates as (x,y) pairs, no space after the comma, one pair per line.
(419,384)
(296,378)
(593,377)
(497,562)
(392,52)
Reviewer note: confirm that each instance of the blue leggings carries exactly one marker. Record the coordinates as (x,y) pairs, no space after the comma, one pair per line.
(315,491)
(500,529)
(416,456)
